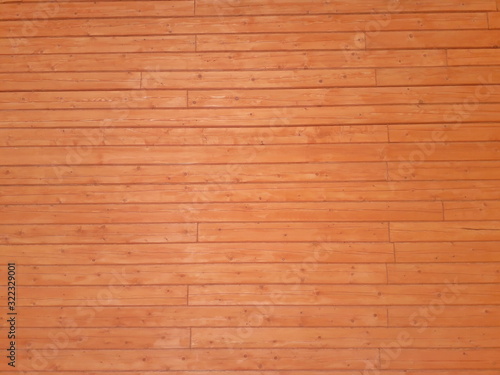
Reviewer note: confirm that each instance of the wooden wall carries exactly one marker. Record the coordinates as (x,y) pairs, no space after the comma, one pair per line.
(253,187)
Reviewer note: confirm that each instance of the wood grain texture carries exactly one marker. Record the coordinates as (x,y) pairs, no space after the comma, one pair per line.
(250,187)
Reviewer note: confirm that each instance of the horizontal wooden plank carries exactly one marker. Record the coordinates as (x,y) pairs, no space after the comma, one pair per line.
(213,273)
(439,171)
(445,359)
(201,359)
(115,294)
(477,210)
(343,295)
(207,7)
(98,44)
(283,192)
(425,273)
(204,316)
(433,39)
(260,60)
(221,212)
(494,20)
(109,233)
(192,253)
(338,96)
(296,372)
(36,15)
(262,117)
(290,23)
(143,338)
(93,99)
(323,338)
(219,174)
(451,316)
(277,42)
(438,252)
(257,232)
(462,133)
(258,79)
(415,76)
(485,56)
(445,231)
(69,81)
(190,136)
(322,153)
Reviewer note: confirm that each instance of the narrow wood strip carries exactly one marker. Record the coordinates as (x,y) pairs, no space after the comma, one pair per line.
(437,252)
(323,338)
(206,7)
(462,75)
(430,359)
(261,117)
(433,39)
(193,274)
(339,96)
(69,81)
(441,171)
(103,338)
(192,359)
(445,231)
(473,56)
(99,44)
(256,232)
(222,61)
(110,233)
(93,99)
(341,152)
(358,191)
(201,253)
(423,273)
(37,15)
(189,136)
(290,23)
(259,79)
(204,316)
(452,316)
(477,210)
(462,133)
(116,293)
(221,212)
(344,295)
(173,174)
(276,42)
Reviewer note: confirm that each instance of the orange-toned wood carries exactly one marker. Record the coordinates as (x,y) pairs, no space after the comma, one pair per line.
(346,338)
(445,231)
(439,76)
(68,9)
(218,174)
(207,7)
(206,316)
(260,187)
(433,39)
(277,232)
(298,78)
(290,23)
(203,253)
(223,212)
(259,60)
(92,233)
(451,316)
(249,273)
(439,252)
(408,294)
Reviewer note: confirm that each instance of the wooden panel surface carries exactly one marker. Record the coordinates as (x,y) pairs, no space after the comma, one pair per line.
(250,187)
